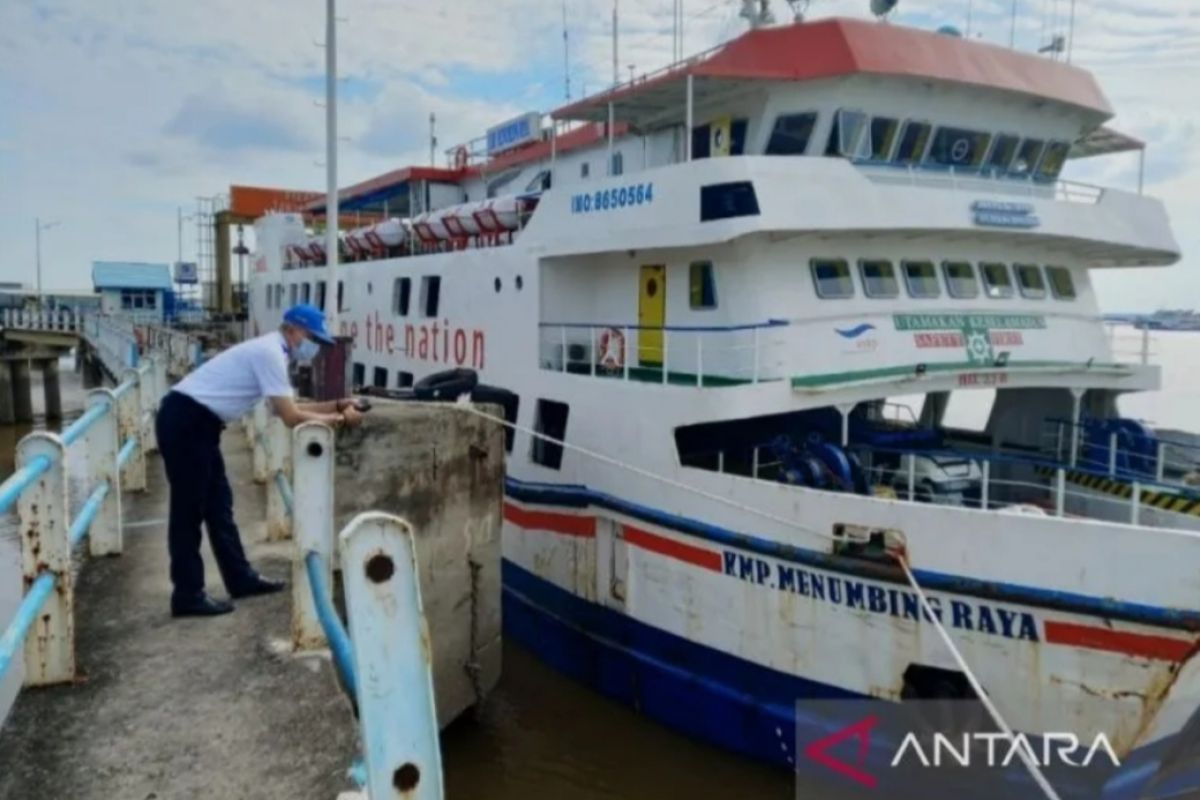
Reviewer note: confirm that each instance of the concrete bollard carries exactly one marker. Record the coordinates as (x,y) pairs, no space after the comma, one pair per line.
(129,415)
(279,461)
(312,525)
(397,719)
(44,513)
(104,538)
(256,432)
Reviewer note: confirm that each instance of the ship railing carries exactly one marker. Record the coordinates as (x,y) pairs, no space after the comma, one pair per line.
(380,653)
(1138,347)
(679,355)
(1023,482)
(105,449)
(54,320)
(978,179)
(1124,455)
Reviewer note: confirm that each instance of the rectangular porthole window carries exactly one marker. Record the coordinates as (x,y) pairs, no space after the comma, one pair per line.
(878,278)
(321,295)
(726,200)
(702,288)
(960,279)
(341,296)
(358,375)
(267,296)
(791,134)
(584,169)
(306,292)
(1061,283)
(431,286)
(831,277)
(997,281)
(1029,278)
(921,279)
(550,420)
(401,293)
(404,380)
(379,378)
(292,294)
(912,143)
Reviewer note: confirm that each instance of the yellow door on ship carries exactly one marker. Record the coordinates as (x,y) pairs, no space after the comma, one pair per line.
(652,314)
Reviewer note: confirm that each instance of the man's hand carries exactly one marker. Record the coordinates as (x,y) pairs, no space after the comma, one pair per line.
(351,416)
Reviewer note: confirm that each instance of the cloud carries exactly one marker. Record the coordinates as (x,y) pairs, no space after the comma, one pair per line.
(214,123)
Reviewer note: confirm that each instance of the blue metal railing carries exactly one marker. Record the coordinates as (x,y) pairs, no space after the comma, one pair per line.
(331,623)
(11,490)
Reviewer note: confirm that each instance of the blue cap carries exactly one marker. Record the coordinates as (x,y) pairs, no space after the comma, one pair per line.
(311,319)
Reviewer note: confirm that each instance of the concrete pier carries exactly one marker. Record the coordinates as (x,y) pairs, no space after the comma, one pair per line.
(51,390)
(21,391)
(180,709)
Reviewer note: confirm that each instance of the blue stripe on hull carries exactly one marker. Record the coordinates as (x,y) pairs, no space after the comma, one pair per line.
(702,692)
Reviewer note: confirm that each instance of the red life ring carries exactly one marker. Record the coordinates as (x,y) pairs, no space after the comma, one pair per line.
(461,157)
(612,348)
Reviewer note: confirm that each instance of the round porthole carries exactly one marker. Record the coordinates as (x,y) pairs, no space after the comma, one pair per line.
(520,283)
(496,283)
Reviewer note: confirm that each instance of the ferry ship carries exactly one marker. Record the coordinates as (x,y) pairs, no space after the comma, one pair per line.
(707,287)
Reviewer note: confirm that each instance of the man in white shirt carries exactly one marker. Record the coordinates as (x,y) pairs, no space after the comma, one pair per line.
(189,426)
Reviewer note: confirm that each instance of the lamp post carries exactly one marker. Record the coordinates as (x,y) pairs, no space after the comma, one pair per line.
(38,227)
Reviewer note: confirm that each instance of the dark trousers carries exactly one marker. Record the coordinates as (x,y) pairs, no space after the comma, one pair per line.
(189,439)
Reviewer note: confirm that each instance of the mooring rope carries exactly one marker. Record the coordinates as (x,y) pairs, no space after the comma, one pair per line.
(901,558)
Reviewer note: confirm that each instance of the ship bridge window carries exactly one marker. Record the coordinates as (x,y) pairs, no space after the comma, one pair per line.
(1053,161)
(831,276)
(791,134)
(401,293)
(921,279)
(883,137)
(960,279)
(848,135)
(912,143)
(1029,278)
(1061,283)
(996,280)
(879,278)
(958,147)
(1028,156)
(702,288)
(1004,148)
(550,420)
(431,286)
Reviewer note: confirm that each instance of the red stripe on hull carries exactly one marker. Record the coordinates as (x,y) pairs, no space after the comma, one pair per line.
(568,524)
(1144,645)
(708,559)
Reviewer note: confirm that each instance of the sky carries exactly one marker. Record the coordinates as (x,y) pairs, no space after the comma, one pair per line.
(114,113)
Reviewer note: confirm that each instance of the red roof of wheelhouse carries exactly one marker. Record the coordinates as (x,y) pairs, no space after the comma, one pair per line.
(838,47)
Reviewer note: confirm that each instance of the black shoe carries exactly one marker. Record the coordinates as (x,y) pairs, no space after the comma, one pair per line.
(202,606)
(257,585)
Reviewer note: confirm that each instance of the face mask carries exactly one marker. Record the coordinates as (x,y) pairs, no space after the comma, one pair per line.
(306,351)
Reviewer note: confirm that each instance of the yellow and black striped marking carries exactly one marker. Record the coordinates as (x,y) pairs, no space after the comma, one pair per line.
(1167,501)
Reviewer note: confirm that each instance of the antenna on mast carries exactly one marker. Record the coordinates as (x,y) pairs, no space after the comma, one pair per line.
(566,52)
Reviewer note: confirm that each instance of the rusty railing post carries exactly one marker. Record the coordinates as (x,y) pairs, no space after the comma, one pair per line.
(257,432)
(312,468)
(279,463)
(129,408)
(45,547)
(397,718)
(103,443)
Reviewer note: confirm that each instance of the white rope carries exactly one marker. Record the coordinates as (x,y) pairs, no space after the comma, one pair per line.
(651,475)
(1026,757)
(997,718)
